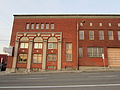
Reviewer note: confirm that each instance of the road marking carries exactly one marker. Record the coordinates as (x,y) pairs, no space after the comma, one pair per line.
(109,76)
(66,86)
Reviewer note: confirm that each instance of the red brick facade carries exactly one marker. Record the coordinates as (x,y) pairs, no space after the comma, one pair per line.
(66,30)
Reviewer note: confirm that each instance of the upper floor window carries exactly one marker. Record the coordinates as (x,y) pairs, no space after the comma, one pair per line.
(110,35)
(118,24)
(47,25)
(27,26)
(101,35)
(91,24)
(91,35)
(100,24)
(81,35)
(32,26)
(38,45)
(118,35)
(81,24)
(109,24)
(42,26)
(23,45)
(52,26)
(37,25)
(52,45)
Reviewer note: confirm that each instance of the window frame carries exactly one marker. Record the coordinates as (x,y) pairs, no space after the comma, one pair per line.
(38,44)
(27,26)
(19,61)
(91,35)
(110,35)
(68,51)
(95,52)
(101,35)
(24,46)
(38,60)
(52,58)
(81,35)
(37,26)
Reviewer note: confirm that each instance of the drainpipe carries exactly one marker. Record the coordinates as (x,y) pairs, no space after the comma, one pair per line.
(77,47)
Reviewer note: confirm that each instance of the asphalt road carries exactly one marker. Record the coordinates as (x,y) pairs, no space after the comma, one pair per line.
(61,81)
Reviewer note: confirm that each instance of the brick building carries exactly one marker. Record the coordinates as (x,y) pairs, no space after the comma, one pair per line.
(59,42)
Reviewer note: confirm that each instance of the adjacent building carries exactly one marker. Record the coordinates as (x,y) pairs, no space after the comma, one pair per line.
(64,41)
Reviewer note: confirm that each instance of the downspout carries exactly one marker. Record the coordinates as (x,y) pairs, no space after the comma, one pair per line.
(77,47)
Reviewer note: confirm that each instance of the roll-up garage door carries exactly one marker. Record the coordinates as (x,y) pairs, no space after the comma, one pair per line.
(114,57)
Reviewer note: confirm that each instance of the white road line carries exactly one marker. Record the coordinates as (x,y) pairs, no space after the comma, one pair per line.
(66,86)
(107,76)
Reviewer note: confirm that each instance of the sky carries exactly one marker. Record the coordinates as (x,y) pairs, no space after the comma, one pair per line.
(10,7)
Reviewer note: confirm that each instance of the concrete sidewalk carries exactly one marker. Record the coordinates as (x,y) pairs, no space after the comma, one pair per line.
(81,69)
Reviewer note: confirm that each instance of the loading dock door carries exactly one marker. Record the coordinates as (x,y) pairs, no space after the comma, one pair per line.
(114,57)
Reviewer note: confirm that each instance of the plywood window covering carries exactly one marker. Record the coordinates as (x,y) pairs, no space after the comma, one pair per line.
(95,51)
(101,35)
(37,58)
(68,51)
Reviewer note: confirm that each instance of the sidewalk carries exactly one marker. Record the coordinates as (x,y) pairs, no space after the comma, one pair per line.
(81,69)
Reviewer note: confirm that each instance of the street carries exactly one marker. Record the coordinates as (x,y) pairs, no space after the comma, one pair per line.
(61,81)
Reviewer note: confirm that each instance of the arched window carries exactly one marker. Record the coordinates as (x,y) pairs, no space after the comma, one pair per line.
(38,43)
(52,43)
(24,42)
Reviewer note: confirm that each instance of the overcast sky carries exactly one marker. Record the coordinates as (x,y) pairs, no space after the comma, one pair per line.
(10,7)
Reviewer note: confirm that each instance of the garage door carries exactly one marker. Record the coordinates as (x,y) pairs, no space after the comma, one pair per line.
(114,57)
